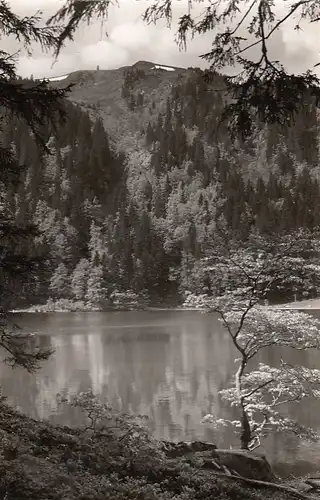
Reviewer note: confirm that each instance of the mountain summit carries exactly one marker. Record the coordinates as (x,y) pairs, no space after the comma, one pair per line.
(116,96)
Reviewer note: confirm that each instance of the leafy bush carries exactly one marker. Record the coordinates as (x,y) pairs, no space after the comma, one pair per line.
(128,299)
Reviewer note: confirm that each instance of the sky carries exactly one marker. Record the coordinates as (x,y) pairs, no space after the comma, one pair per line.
(129,40)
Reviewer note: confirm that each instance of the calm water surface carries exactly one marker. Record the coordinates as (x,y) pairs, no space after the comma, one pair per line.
(168,365)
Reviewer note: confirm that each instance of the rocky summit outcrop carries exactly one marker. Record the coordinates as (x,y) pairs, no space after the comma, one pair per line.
(207,456)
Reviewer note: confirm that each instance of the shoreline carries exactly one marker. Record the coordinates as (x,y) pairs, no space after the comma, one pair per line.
(38,310)
(312,304)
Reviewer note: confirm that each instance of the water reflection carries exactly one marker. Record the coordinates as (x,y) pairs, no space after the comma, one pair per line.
(168,365)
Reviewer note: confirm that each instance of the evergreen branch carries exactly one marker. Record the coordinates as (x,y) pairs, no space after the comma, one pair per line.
(263,39)
(25,29)
(159,10)
(76,12)
(7,64)
(36,104)
(20,351)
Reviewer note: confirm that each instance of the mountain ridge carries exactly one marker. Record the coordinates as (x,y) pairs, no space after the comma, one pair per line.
(100,92)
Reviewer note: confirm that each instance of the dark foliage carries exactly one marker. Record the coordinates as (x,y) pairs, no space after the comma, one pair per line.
(40,460)
(263,86)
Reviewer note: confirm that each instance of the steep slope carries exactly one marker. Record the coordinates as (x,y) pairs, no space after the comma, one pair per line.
(128,98)
(131,202)
(125,117)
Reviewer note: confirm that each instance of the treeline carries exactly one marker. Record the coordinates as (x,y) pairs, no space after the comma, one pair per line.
(144,222)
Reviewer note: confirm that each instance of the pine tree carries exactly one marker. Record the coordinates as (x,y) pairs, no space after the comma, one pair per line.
(36,104)
(60,282)
(132,102)
(79,280)
(96,242)
(96,292)
(99,168)
(140,99)
(150,136)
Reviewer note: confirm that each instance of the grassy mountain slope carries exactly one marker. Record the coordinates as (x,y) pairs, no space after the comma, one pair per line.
(100,92)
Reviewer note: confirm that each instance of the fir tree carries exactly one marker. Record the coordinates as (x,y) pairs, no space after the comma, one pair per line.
(36,105)
(96,292)
(79,280)
(60,282)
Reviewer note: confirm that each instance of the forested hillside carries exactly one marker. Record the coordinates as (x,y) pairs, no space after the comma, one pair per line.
(139,177)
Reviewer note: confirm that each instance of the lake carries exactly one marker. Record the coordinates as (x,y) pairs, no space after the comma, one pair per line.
(169,365)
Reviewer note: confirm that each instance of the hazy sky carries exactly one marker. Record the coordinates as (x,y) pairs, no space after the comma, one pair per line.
(130,40)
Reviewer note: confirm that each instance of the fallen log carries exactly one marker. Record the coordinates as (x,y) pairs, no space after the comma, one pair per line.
(314,482)
(265,484)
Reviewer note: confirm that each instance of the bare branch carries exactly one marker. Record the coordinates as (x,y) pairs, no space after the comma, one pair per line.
(256,389)
(276,26)
(76,12)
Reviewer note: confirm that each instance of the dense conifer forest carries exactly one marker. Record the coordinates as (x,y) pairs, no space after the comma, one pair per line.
(142,217)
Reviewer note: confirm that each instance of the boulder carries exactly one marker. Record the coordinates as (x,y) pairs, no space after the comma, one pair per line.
(244,463)
(204,455)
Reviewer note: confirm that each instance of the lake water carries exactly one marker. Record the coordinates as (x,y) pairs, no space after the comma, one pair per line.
(169,365)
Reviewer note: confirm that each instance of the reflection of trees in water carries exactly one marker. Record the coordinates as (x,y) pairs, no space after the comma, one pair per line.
(166,426)
(24,390)
(36,393)
(191,379)
(290,455)
(284,448)
(21,389)
(172,371)
(136,370)
(306,413)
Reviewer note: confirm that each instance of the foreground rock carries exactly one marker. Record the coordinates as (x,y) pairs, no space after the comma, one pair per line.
(206,456)
(245,463)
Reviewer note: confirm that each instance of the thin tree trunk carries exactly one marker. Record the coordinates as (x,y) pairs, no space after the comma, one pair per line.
(245,437)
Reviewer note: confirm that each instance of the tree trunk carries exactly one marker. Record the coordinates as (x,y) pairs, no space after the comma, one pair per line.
(245,437)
